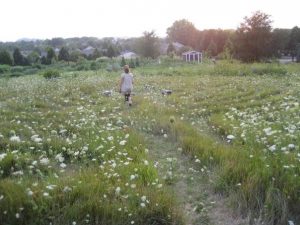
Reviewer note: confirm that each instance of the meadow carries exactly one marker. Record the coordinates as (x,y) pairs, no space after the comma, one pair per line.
(71,155)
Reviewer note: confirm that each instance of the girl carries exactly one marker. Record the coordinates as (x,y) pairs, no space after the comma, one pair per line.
(126,84)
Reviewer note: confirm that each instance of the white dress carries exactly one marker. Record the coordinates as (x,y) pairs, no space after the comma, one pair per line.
(127,82)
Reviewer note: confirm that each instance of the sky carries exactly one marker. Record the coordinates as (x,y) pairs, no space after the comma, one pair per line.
(45,19)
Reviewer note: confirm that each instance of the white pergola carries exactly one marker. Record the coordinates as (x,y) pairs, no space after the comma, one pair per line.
(192,56)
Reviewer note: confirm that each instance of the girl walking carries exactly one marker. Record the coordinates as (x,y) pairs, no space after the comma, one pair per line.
(126,85)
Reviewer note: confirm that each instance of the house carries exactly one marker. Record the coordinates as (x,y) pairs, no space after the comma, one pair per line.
(164,47)
(128,55)
(26,53)
(192,56)
(43,54)
(88,51)
(56,51)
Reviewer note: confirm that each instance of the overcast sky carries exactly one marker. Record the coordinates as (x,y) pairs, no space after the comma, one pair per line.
(130,18)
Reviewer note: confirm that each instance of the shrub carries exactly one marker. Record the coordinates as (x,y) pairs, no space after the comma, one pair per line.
(17,69)
(50,74)
(16,74)
(30,71)
(268,69)
(93,66)
(4,69)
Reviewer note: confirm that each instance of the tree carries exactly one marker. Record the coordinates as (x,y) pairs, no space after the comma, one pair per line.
(96,54)
(170,48)
(183,32)
(294,39)
(137,62)
(212,49)
(298,52)
(280,39)
(131,63)
(33,57)
(56,42)
(5,58)
(50,55)
(75,56)
(148,45)
(253,37)
(18,57)
(64,54)
(123,62)
(44,60)
(111,51)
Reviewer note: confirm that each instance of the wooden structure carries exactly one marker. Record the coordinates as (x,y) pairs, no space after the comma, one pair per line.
(192,56)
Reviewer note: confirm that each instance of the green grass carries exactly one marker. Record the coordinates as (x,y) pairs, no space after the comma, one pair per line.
(66,149)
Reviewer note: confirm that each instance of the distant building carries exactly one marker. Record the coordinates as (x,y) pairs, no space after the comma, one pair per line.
(88,51)
(192,56)
(164,47)
(128,55)
(43,54)
(26,53)
(56,50)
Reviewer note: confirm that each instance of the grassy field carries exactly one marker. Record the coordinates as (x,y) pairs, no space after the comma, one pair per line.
(71,155)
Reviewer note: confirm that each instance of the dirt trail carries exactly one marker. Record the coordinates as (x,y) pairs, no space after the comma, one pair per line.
(190,184)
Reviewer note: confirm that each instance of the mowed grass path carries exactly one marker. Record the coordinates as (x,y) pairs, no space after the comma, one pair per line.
(242,134)
(244,130)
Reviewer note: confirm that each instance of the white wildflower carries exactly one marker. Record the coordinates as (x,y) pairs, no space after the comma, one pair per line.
(15,138)
(59,157)
(2,156)
(36,138)
(230,137)
(29,192)
(110,138)
(44,161)
(122,142)
(291,146)
(67,189)
(272,148)
(118,189)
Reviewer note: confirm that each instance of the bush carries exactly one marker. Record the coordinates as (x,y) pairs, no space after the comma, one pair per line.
(17,69)
(109,68)
(30,71)
(268,69)
(50,74)
(4,69)
(16,74)
(93,66)
(103,59)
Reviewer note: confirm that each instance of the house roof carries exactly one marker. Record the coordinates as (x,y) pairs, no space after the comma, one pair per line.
(128,54)
(191,52)
(88,50)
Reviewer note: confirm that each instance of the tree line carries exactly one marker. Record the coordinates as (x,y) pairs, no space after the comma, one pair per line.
(253,40)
